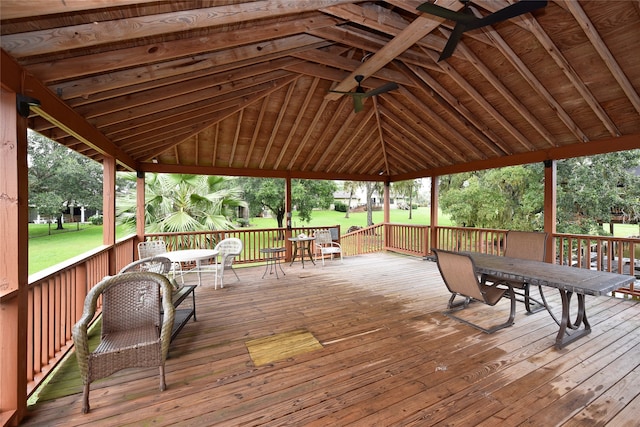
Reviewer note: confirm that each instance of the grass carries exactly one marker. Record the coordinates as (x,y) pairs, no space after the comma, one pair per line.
(420,216)
(48,250)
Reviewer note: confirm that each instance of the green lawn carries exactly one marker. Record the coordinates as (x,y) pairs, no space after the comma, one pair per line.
(420,216)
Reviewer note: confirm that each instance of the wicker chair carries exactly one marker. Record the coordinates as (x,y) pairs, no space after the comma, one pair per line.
(228,249)
(324,245)
(459,275)
(155,264)
(152,248)
(136,327)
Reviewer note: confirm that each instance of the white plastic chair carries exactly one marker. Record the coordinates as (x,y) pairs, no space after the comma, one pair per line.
(324,245)
(228,249)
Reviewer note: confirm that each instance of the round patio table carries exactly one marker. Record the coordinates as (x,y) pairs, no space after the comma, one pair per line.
(191,256)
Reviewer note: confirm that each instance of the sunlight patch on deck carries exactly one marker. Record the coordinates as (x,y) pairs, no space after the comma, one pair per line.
(281,346)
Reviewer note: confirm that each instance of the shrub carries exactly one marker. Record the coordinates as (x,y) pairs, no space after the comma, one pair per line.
(96,219)
(340,206)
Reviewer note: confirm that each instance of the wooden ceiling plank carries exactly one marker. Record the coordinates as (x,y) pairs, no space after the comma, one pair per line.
(165,144)
(418,141)
(506,93)
(51,71)
(194,90)
(370,156)
(335,140)
(387,169)
(13,9)
(307,136)
(120,83)
(543,38)
(236,136)
(420,27)
(604,52)
(433,117)
(216,135)
(353,139)
(536,85)
(256,130)
(410,119)
(359,148)
(42,42)
(479,99)
(278,122)
(460,113)
(297,122)
(326,129)
(152,125)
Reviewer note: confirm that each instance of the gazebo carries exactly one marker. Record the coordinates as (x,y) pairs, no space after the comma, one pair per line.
(256,88)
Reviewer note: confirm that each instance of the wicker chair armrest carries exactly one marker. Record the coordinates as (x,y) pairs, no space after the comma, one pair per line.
(79,330)
(168,316)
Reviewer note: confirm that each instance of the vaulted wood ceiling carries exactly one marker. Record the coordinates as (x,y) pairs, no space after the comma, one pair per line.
(243,87)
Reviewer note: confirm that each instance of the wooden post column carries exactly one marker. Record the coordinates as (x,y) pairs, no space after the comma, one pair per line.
(140,211)
(288,205)
(550,206)
(387,213)
(14,217)
(109,210)
(433,226)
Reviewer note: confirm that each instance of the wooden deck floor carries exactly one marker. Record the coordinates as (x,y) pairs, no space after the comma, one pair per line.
(389,357)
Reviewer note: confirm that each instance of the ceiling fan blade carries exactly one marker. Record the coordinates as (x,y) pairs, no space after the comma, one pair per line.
(511,11)
(454,38)
(443,12)
(382,89)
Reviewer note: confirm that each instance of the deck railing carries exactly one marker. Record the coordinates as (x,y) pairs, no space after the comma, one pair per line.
(56,295)
(56,300)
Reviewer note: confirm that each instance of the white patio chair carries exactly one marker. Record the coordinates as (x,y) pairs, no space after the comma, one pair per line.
(228,249)
(324,245)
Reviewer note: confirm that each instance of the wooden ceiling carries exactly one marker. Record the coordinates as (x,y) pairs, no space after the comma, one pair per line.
(243,87)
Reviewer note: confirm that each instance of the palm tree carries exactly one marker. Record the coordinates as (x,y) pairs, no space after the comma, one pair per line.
(183,202)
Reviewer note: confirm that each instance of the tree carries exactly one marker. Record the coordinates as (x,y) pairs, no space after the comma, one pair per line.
(60,178)
(268,193)
(407,189)
(182,202)
(351,187)
(371,188)
(513,197)
(590,187)
(509,197)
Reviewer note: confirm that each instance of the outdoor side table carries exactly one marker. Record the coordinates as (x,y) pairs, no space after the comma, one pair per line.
(303,244)
(273,260)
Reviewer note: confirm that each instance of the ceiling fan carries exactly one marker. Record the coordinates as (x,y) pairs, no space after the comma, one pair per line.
(360,94)
(466,20)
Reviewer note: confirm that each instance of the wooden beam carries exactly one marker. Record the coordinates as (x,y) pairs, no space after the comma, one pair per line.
(57,112)
(591,148)
(604,52)
(13,9)
(419,28)
(571,75)
(48,41)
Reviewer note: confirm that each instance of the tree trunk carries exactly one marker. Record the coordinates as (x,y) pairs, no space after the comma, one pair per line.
(346,215)
(370,188)
(59,227)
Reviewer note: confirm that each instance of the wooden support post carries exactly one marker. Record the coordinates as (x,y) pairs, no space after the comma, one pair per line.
(287,207)
(434,213)
(14,217)
(140,212)
(550,206)
(109,210)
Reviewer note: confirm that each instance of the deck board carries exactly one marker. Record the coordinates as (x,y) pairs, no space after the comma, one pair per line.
(389,357)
